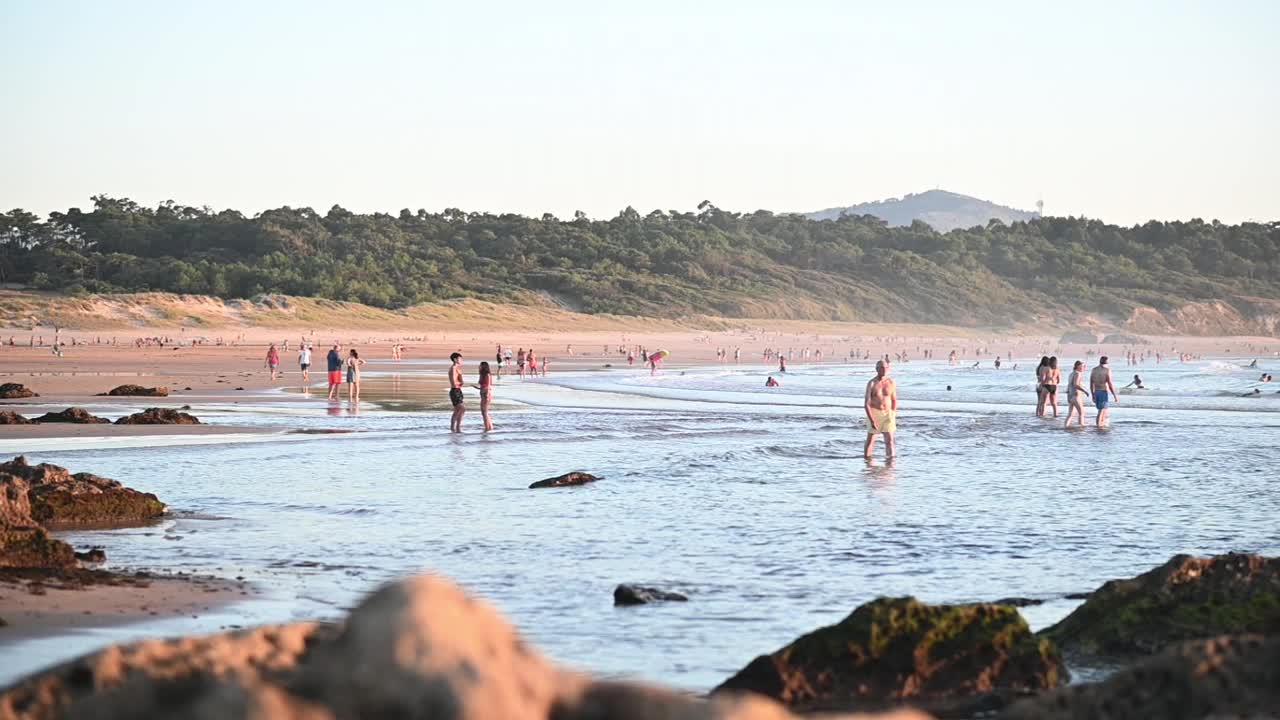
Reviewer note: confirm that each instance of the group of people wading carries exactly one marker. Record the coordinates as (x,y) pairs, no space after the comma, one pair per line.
(1100,389)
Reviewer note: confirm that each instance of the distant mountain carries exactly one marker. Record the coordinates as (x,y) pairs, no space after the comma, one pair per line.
(941,209)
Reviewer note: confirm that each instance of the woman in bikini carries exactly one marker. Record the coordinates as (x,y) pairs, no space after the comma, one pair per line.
(1041,372)
(485,387)
(353,376)
(1053,378)
(1076,392)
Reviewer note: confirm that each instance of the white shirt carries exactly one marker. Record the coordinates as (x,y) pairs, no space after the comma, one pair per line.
(304,356)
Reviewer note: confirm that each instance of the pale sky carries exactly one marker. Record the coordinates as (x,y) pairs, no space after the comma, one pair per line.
(1124,111)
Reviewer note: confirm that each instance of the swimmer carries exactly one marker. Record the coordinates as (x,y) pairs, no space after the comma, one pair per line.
(771,382)
(1137,383)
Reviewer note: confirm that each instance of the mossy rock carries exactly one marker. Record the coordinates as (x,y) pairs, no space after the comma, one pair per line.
(159,416)
(130,390)
(33,547)
(1186,598)
(902,650)
(9,417)
(124,506)
(16,391)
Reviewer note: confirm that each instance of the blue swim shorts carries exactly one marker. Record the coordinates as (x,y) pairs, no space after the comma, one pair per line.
(1101,399)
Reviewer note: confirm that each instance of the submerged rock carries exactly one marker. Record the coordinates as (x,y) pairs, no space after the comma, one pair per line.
(566,480)
(23,543)
(9,417)
(60,499)
(92,555)
(895,650)
(420,648)
(1186,598)
(76,415)
(160,416)
(1226,677)
(1018,601)
(129,390)
(16,391)
(640,595)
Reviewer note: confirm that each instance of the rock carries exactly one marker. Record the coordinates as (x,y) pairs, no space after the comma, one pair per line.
(59,499)
(137,391)
(566,480)
(893,650)
(76,415)
(159,416)
(1225,677)
(23,543)
(1077,596)
(15,391)
(639,595)
(1018,601)
(92,555)
(1123,339)
(420,648)
(9,417)
(1184,599)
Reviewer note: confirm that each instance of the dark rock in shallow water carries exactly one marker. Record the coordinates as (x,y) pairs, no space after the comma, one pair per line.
(137,391)
(1226,677)
(16,391)
(59,499)
(9,417)
(566,480)
(1184,599)
(639,595)
(420,648)
(76,415)
(1077,596)
(896,650)
(1018,602)
(92,555)
(159,416)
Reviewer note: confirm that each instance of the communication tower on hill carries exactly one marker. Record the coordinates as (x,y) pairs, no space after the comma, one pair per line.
(1040,207)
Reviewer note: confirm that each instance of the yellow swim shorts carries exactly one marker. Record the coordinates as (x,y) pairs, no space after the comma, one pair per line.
(886,421)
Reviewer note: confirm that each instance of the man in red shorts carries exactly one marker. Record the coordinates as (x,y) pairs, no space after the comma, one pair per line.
(334,363)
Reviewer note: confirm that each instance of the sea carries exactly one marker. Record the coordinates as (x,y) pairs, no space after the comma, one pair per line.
(755,503)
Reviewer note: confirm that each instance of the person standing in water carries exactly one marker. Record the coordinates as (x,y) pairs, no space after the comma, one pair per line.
(333,361)
(1042,371)
(1053,378)
(486,392)
(1100,384)
(880,401)
(273,360)
(304,362)
(1076,393)
(455,393)
(353,375)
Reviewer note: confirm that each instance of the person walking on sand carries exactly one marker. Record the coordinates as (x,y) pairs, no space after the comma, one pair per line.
(455,393)
(1100,384)
(304,362)
(333,361)
(353,375)
(1053,378)
(273,361)
(1076,393)
(880,401)
(486,393)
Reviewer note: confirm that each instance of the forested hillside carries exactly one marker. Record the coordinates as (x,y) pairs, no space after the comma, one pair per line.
(662,264)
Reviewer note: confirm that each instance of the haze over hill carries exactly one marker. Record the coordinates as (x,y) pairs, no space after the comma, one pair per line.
(941,209)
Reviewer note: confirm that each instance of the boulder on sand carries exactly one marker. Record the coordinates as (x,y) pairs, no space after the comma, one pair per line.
(9,417)
(76,415)
(947,658)
(159,416)
(59,499)
(137,391)
(1078,337)
(639,595)
(23,543)
(1232,676)
(420,648)
(565,480)
(16,391)
(1184,599)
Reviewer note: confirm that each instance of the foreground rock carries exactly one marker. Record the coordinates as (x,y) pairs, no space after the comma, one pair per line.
(948,658)
(419,648)
(1226,677)
(23,543)
(640,595)
(566,480)
(9,417)
(1184,599)
(76,415)
(138,391)
(15,391)
(59,499)
(159,416)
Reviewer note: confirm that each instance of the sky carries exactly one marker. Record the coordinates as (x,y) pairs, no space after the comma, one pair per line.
(1122,110)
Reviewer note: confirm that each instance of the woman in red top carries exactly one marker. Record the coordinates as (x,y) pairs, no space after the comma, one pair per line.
(273,361)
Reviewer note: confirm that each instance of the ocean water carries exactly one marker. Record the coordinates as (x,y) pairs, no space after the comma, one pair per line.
(756,504)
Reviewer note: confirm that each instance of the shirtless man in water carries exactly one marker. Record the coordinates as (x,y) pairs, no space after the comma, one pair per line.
(1100,384)
(455,393)
(881,405)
